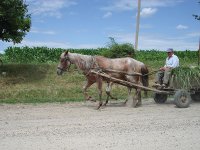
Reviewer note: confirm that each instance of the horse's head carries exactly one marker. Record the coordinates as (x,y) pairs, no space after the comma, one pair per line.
(64,63)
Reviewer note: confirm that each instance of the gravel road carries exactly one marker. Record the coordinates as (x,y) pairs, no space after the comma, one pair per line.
(78,126)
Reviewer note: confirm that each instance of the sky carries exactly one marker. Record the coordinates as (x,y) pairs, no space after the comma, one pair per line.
(90,23)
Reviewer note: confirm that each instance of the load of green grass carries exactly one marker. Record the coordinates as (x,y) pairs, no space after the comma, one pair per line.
(186,77)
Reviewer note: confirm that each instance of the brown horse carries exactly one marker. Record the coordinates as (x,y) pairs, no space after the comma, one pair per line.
(126,65)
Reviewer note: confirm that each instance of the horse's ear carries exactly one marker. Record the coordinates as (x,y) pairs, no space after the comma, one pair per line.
(66,52)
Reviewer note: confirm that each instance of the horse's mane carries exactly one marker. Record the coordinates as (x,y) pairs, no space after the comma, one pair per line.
(83,62)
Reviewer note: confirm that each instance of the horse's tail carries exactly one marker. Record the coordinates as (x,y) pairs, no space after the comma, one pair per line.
(145,77)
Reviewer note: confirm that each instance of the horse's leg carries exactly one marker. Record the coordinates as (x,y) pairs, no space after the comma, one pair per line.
(129,93)
(108,89)
(85,87)
(99,85)
(136,97)
(139,102)
(139,91)
(109,92)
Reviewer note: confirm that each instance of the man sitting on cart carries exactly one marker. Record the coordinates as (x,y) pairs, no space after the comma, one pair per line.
(164,73)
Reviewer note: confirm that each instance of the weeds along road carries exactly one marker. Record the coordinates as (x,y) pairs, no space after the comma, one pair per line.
(78,126)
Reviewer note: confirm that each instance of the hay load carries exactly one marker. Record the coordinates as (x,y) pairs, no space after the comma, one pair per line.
(186,78)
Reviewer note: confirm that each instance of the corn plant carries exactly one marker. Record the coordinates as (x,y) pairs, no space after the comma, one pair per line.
(48,55)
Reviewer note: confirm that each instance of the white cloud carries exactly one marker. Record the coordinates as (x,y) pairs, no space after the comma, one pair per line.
(161,43)
(194,34)
(160,3)
(146,12)
(180,27)
(49,32)
(43,32)
(107,15)
(49,7)
(50,44)
(43,43)
(121,5)
(147,42)
(124,5)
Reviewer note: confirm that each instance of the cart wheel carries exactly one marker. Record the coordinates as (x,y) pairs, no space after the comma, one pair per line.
(160,98)
(196,96)
(182,99)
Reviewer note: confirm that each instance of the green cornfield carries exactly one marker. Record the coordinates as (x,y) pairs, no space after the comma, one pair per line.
(40,54)
(29,55)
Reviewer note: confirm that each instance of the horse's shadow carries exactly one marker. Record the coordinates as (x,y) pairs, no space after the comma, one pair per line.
(120,103)
(111,103)
(116,104)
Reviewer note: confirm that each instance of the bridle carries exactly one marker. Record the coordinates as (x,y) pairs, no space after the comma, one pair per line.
(66,60)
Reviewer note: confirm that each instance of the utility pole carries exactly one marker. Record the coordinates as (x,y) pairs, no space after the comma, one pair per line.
(199,53)
(137,25)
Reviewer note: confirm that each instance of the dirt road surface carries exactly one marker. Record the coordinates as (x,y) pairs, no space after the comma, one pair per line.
(78,126)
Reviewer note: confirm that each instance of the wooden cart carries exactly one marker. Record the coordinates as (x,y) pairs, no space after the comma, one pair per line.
(182,98)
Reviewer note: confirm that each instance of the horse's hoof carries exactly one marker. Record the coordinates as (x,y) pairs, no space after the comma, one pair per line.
(104,104)
(124,103)
(99,106)
(90,99)
(134,105)
(93,100)
(137,105)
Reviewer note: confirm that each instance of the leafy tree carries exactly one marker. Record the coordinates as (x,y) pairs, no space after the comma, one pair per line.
(14,20)
(197,16)
(116,50)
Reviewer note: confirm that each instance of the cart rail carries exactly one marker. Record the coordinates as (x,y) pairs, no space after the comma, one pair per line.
(127,83)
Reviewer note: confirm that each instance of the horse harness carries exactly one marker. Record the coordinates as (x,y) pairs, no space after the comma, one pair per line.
(66,59)
(96,67)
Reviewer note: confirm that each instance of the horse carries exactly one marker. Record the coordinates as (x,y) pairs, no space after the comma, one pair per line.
(112,67)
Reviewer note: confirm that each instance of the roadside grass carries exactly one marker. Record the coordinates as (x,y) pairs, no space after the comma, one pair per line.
(31,83)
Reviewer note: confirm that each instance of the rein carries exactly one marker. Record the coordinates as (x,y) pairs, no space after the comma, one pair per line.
(150,73)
